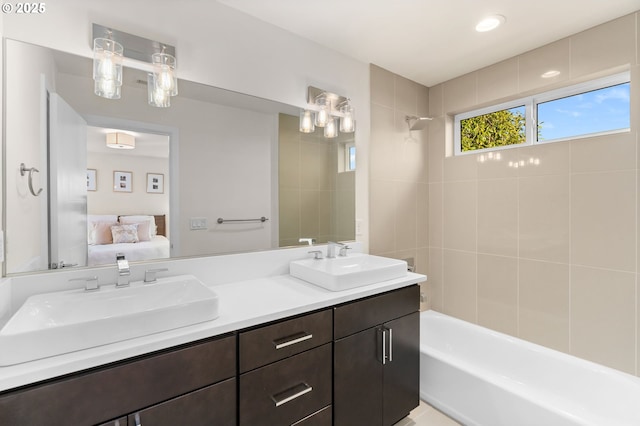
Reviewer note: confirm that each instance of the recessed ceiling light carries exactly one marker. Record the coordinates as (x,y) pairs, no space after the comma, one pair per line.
(550,74)
(490,23)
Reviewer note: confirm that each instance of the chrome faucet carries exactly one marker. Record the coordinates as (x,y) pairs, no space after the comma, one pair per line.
(150,275)
(331,249)
(123,270)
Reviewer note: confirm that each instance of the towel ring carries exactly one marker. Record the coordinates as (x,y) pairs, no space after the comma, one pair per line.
(23,170)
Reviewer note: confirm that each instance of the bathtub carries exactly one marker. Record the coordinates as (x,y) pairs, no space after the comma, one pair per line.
(481,377)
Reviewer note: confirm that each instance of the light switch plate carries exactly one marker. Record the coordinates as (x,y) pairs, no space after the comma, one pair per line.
(198,223)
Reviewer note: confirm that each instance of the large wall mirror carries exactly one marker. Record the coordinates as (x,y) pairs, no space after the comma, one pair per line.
(201,171)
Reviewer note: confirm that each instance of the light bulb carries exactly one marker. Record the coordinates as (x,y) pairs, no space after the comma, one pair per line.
(165,79)
(306,122)
(330,129)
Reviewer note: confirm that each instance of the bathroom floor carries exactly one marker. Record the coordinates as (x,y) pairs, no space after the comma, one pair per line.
(426,415)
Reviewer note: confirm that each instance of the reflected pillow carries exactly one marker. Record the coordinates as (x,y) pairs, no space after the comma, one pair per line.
(125,233)
(100,233)
(141,218)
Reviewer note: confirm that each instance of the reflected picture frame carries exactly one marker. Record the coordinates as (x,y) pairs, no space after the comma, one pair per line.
(92,180)
(155,183)
(122,181)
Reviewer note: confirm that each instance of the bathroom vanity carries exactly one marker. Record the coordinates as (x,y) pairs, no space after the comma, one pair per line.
(281,352)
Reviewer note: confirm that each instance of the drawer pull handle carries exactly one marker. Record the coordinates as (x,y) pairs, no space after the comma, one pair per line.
(291,394)
(137,420)
(292,340)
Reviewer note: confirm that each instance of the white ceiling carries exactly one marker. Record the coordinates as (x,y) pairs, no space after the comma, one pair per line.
(147,145)
(431,41)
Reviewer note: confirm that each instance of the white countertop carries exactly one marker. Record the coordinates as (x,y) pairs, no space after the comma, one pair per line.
(242,304)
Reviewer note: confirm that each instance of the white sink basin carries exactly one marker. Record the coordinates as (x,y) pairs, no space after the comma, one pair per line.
(354,270)
(56,323)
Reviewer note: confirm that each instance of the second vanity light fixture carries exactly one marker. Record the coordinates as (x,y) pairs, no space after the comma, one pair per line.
(111,46)
(324,109)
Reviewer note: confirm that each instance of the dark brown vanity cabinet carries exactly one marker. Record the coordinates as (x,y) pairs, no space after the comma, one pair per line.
(193,384)
(286,372)
(376,359)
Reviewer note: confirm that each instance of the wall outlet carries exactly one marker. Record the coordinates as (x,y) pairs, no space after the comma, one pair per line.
(198,223)
(359,227)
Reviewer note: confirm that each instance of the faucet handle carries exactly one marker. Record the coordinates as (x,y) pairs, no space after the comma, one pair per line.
(90,283)
(150,275)
(343,250)
(317,254)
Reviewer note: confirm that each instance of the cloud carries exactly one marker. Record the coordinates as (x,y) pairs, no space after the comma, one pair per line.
(574,114)
(614,93)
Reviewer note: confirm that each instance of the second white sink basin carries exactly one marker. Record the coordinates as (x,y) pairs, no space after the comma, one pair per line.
(342,273)
(55,323)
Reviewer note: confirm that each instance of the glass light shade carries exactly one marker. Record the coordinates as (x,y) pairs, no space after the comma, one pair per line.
(157,97)
(164,70)
(107,89)
(107,67)
(120,141)
(347,121)
(306,121)
(331,128)
(323,114)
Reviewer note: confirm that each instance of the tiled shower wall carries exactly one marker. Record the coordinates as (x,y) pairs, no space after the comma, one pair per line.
(545,252)
(398,179)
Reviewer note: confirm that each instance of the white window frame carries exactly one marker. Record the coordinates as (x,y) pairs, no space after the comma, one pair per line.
(530,103)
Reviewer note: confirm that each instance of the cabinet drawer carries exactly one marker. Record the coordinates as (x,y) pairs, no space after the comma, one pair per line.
(274,342)
(323,417)
(98,395)
(213,405)
(356,316)
(287,391)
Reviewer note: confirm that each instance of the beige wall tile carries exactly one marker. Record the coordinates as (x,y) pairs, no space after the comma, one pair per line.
(423,101)
(382,87)
(460,200)
(545,159)
(382,147)
(498,81)
(603,47)
(422,220)
(498,164)
(289,163)
(436,100)
(406,95)
(436,139)
(309,217)
(436,223)
(289,201)
(544,213)
(382,205)
(498,216)
(406,215)
(460,93)
(544,303)
(461,167)
(604,153)
(498,293)
(435,279)
(459,285)
(603,317)
(309,167)
(325,216)
(603,218)
(552,57)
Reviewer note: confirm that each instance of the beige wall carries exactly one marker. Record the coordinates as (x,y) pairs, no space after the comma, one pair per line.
(548,253)
(398,181)
(315,200)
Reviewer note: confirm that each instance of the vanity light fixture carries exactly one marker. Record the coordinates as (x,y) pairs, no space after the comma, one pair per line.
(490,23)
(107,67)
(158,59)
(323,110)
(119,140)
(306,121)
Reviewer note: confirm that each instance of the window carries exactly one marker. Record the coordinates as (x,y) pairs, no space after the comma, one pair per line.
(597,107)
(350,151)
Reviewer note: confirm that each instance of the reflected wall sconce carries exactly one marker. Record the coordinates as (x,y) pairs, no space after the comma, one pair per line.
(120,140)
(324,109)
(111,46)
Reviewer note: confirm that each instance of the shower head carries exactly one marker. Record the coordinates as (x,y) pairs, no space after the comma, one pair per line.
(417,123)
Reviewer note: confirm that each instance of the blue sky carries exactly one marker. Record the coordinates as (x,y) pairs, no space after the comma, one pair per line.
(597,111)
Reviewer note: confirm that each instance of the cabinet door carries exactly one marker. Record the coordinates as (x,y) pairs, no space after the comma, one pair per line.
(357,385)
(213,405)
(402,368)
